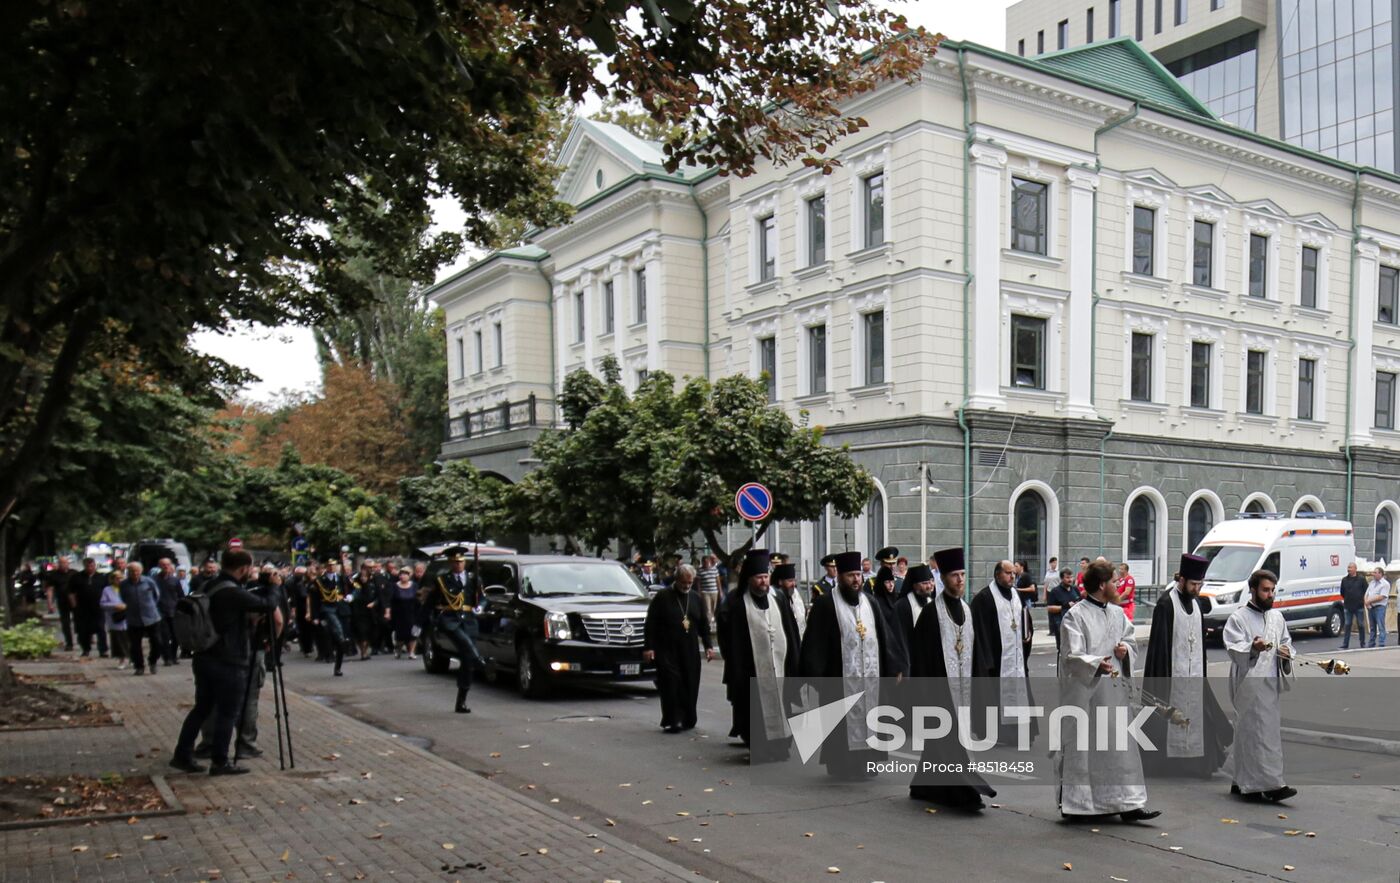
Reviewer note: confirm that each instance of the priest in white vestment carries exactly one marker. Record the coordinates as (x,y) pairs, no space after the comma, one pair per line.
(1261,671)
(1096,663)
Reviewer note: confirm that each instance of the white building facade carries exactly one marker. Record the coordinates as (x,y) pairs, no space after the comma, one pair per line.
(1052,315)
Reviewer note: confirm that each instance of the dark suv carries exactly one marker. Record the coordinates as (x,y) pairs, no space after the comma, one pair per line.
(548,617)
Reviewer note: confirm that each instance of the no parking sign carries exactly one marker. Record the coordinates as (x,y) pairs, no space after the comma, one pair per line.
(754,501)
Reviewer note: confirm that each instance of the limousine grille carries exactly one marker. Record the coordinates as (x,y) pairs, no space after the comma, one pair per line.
(625,630)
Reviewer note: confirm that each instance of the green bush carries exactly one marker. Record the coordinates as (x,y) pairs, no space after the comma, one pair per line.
(28,640)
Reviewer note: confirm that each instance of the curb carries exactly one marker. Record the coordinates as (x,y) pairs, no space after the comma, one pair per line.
(669,868)
(173,807)
(1342,741)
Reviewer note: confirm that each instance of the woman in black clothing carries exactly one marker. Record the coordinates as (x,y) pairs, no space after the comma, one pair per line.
(403,614)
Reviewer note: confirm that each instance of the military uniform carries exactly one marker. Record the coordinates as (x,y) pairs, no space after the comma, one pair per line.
(331,607)
(889,557)
(451,599)
(827,583)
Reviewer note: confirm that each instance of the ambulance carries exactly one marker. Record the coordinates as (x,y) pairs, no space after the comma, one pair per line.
(1309,553)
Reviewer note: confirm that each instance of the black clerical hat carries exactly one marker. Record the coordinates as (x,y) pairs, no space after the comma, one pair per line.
(784,571)
(918,573)
(846,562)
(949,560)
(883,575)
(755,562)
(1193,567)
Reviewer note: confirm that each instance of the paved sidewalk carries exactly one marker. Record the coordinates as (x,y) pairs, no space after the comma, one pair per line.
(361,805)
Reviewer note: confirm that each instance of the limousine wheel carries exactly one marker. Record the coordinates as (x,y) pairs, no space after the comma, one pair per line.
(528,676)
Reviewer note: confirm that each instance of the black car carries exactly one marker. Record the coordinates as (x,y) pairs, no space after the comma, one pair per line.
(551,617)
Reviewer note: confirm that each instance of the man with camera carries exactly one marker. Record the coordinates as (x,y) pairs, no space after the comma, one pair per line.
(221,672)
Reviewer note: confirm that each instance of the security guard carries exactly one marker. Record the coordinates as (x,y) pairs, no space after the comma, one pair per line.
(889,557)
(330,609)
(451,601)
(827,584)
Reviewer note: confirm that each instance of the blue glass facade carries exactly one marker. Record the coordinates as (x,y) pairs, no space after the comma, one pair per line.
(1336,58)
(1224,77)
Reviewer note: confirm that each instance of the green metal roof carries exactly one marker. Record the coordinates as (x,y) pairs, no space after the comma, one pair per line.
(1122,64)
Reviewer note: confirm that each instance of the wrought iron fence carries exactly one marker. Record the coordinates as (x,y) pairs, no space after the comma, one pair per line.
(526,413)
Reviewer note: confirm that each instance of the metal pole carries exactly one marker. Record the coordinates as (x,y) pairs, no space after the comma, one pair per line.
(276,699)
(923,513)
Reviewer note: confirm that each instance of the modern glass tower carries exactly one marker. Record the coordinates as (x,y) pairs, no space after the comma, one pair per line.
(1321,74)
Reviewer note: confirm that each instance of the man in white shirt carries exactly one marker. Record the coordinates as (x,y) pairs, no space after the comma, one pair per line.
(1052,576)
(1377,598)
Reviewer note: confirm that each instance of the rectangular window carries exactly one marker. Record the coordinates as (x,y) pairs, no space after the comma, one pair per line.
(1028,352)
(1089,25)
(642,375)
(1307,373)
(1181,12)
(1203,254)
(461,358)
(1140,381)
(1039,42)
(1144,232)
(1021,48)
(874,348)
(500,341)
(767,248)
(1115,17)
(639,283)
(480,357)
(1138,30)
(1385,400)
(1254,381)
(874,200)
(1157,17)
(1062,35)
(1307,280)
(1030,212)
(1200,374)
(1388,297)
(768,365)
(1216,4)
(816,230)
(1258,265)
(609,307)
(578,317)
(816,360)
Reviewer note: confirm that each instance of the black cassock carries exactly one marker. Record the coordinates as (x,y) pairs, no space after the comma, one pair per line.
(904,618)
(821,658)
(986,659)
(1156,679)
(732,630)
(888,604)
(930,672)
(677,653)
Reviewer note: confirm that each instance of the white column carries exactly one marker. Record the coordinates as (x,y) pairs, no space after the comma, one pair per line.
(1082,184)
(656,318)
(1363,375)
(561,305)
(587,283)
(986,352)
(622,293)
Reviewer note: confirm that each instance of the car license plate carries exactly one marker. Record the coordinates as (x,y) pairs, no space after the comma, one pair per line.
(631,668)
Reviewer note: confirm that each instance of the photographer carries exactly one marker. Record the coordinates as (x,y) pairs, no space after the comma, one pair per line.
(221,673)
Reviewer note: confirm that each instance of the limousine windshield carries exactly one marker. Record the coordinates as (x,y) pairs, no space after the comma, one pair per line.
(597,578)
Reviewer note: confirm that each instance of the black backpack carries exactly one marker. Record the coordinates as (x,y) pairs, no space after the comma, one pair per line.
(193,622)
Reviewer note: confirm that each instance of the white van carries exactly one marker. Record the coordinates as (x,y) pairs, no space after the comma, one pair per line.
(1309,554)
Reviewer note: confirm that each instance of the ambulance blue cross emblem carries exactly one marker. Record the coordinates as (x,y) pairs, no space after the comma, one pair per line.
(1302,563)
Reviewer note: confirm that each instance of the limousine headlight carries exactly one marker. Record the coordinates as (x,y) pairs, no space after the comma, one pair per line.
(556,626)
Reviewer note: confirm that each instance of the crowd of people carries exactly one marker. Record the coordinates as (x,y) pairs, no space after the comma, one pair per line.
(853,626)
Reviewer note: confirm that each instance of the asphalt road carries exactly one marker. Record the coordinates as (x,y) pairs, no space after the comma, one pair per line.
(597,753)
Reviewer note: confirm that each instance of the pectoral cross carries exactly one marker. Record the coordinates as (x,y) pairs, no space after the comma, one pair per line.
(685,623)
(860,627)
(1013,624)
(958,645)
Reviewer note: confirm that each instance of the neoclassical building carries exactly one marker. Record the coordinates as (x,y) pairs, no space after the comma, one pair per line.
(1055,306)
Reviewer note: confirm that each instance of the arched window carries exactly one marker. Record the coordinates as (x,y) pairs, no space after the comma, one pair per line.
(1030,532)
(1142,530)
(875,524)
(1199,521)
(1385,529)
(1256,507)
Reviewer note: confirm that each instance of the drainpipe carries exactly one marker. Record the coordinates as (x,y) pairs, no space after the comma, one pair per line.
(553,344)
(704,273)
(1094,303)
(1351,348)
(966,307)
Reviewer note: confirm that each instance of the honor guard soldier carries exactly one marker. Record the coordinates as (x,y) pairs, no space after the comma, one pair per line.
(827,584)
(330,609)
(451,600)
